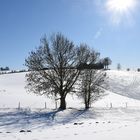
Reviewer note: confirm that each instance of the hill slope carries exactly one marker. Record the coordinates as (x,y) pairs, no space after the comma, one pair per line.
(124,87)
(101,122)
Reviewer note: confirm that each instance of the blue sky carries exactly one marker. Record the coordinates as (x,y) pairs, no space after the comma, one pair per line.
(113,31)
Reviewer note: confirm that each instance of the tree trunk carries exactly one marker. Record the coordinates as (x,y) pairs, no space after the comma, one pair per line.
(87,106)
(62,103)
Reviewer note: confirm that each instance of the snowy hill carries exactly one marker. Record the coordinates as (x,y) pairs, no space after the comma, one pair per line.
(125,83)
(101,122)
(124,87)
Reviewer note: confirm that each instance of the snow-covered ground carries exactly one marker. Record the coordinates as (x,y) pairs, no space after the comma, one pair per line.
(116,116)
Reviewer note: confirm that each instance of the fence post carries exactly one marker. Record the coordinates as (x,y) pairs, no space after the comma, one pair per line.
(19,105)
(45,105)
(110,105)
(126,105)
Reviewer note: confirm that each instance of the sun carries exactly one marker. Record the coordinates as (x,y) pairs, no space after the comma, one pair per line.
(120,9)
(121,6)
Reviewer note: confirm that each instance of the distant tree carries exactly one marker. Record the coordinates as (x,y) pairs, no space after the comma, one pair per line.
(118,66)
(53,68)
(4,69)
(128,69)
(7,68)
(106,61)
(138,69)
(92,81)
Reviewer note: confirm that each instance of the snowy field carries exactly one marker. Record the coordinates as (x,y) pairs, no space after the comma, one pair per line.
(116,116)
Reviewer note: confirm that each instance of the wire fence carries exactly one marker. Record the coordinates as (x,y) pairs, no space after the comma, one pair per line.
(55,105)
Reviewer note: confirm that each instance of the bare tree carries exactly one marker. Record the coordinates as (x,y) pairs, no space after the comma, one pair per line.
(92,82)
(53,68)
(92,86)
(118,66)
(106,61)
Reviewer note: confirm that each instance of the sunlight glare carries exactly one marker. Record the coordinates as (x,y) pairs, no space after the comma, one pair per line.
(120,9)
(121,5)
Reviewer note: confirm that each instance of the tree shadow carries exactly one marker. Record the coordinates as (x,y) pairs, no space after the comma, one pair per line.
(25,119)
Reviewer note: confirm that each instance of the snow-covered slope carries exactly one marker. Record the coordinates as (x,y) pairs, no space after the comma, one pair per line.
(125,83)
(121,122)
(12,91)
(124,88)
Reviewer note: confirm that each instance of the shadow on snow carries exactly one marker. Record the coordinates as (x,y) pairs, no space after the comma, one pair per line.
(27,119)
